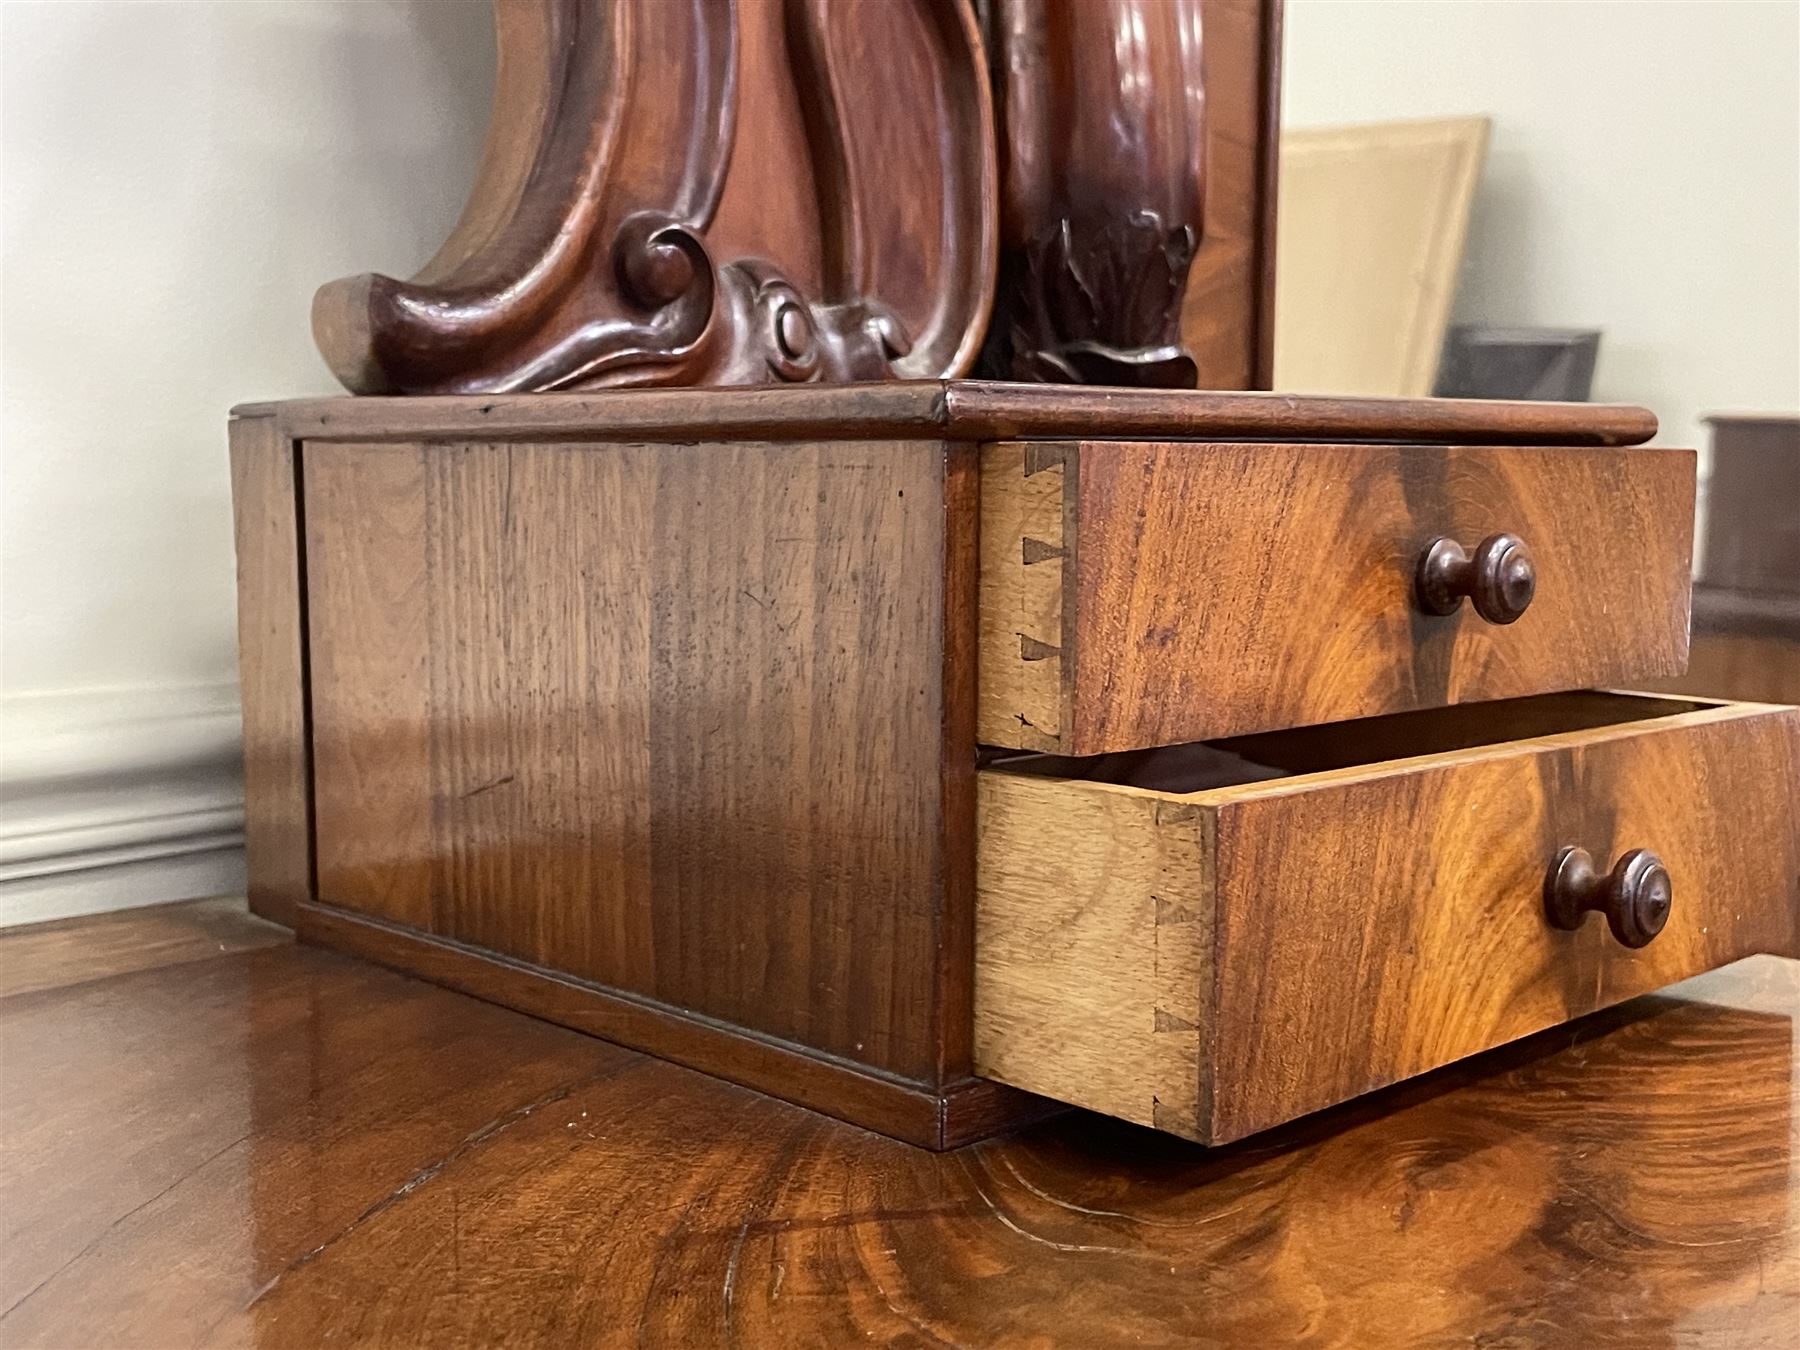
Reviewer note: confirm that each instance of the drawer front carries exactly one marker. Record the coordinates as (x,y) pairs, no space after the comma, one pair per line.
(1140,594)
(1215,963)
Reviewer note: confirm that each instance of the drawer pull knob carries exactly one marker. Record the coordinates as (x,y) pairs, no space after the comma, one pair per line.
(1499,579)
(1635,896)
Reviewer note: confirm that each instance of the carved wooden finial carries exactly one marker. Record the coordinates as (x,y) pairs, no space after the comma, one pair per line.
(1102,120)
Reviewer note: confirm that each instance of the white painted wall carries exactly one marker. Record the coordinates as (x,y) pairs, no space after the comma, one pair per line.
(175,179)
(1643,177)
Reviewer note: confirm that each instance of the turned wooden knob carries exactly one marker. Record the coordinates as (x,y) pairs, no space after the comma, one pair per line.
(1635,896)
(1499,579)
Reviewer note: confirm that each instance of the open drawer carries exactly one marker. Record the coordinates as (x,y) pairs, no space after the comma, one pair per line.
(1213,939)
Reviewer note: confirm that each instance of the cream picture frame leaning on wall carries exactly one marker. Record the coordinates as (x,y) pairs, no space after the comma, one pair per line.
(1369,241)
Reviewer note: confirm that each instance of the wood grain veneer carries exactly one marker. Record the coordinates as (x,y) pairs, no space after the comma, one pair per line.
(667,722)
(1742,665)
(1217,962)
(1179,592)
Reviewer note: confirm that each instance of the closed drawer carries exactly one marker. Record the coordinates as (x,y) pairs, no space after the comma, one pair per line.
(1355,904)
(1137,594)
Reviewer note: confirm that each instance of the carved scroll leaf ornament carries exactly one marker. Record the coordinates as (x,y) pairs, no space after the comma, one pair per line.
(614,235)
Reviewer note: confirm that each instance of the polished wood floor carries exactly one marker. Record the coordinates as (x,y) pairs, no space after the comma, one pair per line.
(213,1137)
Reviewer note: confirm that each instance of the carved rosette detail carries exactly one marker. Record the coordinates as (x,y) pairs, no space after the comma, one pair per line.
(743,323)
(780,335)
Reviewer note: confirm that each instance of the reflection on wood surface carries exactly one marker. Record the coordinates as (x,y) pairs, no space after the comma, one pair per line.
(281,1146)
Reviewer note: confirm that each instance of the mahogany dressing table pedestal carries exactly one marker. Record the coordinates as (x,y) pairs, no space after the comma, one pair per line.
(926,753)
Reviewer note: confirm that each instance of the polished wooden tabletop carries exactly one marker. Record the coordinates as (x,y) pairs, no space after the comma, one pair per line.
(213,1137)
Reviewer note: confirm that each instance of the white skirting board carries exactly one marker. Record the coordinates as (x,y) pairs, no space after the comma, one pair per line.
(112,798)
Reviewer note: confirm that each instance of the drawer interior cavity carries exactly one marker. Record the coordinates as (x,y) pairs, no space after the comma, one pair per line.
(1204,765)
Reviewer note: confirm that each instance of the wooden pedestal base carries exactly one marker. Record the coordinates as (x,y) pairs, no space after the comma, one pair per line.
(654,713)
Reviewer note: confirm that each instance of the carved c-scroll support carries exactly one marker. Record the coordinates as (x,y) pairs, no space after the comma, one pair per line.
(563,86)
(587,255)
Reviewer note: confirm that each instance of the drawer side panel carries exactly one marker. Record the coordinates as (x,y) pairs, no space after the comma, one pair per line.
(1024,558)
(1093,928)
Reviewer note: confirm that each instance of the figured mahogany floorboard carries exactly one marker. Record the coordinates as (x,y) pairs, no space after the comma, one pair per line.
(95,946)
(286,1146)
